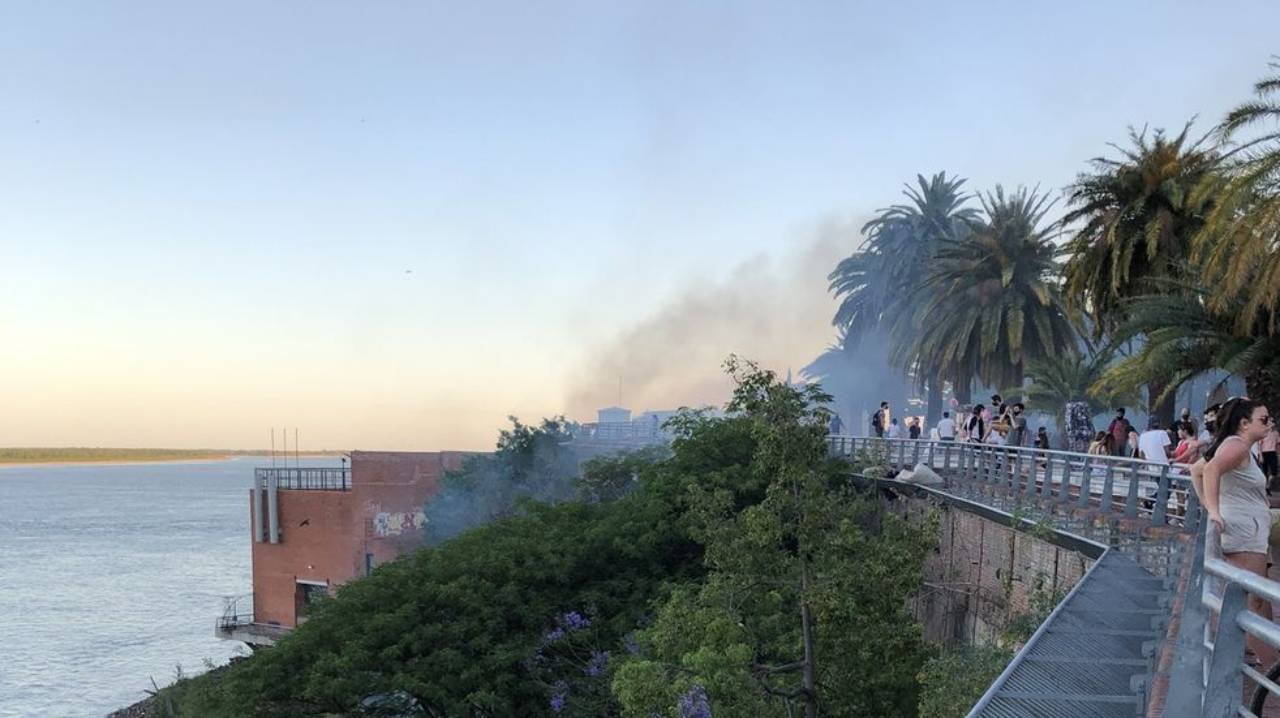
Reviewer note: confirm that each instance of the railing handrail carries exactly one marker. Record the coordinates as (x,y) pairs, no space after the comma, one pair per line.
(1223,671)
(320,478)
(1106,458)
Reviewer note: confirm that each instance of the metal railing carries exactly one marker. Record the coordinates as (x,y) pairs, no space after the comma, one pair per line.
(331,478)
(1225,591)
(1215,621)
(1123,486)
(237,612)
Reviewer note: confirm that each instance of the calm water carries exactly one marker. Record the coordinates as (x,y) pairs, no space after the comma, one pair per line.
(111,575)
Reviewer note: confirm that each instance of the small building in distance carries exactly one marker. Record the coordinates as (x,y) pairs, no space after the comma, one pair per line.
(315,528)
(615,430)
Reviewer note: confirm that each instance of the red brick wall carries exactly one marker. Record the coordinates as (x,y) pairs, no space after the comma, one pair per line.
(390,490)
(325,535)
(320,550)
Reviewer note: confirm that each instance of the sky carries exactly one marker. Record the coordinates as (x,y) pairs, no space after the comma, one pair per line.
(393,224)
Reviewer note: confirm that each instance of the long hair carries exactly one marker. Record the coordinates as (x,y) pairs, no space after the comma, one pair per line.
(1228,418)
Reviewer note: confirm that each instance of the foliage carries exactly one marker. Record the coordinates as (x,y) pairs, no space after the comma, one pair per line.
(994,302)
(1073,376)
(609,478)
(529,462)
(456,626)
(954,679)
(1041,601)
(878,286)
(805,602)
(1138,215)
(1239,251)
(1185,336)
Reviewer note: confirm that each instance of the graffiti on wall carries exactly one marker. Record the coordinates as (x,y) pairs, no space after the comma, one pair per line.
(394,523)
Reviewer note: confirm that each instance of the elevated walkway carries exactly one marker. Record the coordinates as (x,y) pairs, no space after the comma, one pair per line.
(1106,650)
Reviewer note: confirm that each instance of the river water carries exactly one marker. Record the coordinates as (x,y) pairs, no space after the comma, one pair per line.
(113,575)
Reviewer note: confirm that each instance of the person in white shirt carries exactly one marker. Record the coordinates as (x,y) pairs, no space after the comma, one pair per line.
(895,429)
(1153,444)
(947,427)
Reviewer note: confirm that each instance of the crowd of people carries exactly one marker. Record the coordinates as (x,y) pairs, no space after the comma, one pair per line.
(1002,423)
(1184,443)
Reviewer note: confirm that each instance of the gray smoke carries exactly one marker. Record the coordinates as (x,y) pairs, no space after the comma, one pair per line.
(773,310)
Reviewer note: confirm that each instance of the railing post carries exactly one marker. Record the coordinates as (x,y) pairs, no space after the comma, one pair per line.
(1191,514)
(1086,481)
(1108,488)
(1162,498)
(1131,501)
(1225,682)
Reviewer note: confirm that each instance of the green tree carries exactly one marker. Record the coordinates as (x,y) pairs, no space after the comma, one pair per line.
(529,463)
(1136,217)
(804,608)
(1238,252)
(1072,376)
(877,285)
(1186,335)
(993,299)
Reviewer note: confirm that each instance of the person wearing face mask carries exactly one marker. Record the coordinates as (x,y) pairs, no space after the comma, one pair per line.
(1017,426)
(1233,490)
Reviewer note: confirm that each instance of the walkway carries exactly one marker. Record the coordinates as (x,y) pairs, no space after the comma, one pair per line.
(1109,647)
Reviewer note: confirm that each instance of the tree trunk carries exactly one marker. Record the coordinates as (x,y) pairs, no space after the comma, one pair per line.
(933,409)
(1162,409)
(963,391)
(810,677)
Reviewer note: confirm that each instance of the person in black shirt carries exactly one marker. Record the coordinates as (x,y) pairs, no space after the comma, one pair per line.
(913,429)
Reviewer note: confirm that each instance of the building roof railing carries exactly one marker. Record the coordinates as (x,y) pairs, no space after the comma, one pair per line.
(295,478)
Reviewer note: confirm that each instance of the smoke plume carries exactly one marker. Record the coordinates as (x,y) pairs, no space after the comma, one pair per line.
(775,311)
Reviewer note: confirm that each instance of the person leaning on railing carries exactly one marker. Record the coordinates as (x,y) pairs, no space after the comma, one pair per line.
(1233,490)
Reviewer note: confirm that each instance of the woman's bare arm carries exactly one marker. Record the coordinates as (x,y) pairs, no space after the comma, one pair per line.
(1228,457)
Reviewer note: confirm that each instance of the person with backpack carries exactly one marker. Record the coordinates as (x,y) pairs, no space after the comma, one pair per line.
(975,428)
(880,420)
(1119,430)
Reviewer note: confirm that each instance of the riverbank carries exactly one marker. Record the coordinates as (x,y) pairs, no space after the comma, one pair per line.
(59,456)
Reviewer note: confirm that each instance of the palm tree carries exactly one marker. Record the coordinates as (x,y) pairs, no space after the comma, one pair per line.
(1187,333)
(877,286)
(994,304)
(1137,216)
(1239,251)
(1058,380)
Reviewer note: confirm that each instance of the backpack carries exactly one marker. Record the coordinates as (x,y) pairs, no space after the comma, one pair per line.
(877,419)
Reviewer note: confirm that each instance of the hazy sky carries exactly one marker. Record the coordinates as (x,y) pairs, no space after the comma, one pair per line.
(391,224)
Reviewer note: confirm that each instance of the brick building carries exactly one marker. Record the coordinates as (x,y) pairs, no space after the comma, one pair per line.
(314,529)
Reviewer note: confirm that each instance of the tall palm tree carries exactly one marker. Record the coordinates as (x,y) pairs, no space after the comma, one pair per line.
(993,301)
(877,285)
(1136,217)
(1239,250)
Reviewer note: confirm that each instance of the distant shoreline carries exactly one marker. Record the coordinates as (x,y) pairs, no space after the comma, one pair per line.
(127,457)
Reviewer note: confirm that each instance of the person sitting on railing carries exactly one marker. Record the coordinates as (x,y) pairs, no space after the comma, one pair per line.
(1233,490)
